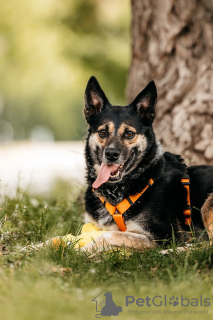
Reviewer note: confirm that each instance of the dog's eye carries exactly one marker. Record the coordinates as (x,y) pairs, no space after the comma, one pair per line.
(129,135)
(102,133)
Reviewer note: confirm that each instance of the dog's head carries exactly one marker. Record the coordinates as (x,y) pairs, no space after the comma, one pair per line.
(118,136)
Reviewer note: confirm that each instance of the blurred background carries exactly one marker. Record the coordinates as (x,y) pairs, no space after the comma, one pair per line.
(48,51)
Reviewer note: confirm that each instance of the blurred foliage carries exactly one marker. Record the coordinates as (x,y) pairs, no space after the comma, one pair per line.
(48,51)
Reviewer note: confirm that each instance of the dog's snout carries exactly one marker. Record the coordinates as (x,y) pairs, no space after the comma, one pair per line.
(112,154)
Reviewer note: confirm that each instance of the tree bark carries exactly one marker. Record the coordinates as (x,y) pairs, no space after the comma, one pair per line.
(172,43)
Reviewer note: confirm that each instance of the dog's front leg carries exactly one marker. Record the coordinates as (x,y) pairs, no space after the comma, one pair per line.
(117,239)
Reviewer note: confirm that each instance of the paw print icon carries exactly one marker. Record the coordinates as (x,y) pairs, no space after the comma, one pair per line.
(173,301)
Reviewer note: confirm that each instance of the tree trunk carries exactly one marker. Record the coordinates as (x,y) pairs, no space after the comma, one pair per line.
(172,43)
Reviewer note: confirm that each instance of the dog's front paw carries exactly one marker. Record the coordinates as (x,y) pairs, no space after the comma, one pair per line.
(117,240)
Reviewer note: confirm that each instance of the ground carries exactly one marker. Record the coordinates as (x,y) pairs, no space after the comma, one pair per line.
(61,284)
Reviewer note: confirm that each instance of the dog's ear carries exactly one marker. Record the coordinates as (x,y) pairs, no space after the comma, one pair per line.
(145,102)
(95,99)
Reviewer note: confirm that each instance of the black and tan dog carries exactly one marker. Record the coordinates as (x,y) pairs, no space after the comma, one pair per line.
(135,191)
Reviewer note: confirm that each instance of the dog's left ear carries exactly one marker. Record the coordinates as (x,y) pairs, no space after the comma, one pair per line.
(145,103)
(95,99)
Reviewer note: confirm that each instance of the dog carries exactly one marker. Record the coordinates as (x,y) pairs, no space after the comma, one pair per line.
(136,192)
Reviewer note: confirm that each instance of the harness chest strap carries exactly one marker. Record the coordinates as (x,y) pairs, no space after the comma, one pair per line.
(118,210)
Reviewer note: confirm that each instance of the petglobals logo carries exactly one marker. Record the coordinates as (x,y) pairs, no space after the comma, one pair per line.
(105,305)
(163,301)
(150,305)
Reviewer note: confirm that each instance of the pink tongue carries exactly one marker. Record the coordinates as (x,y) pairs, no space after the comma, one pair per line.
(104,174)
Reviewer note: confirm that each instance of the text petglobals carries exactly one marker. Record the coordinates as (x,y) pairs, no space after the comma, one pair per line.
(159,301)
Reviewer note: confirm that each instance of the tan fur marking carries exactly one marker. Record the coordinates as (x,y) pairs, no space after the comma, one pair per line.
(124,127)
(138,139)
(93,141)
(207,215)
(97,168)
(109,126)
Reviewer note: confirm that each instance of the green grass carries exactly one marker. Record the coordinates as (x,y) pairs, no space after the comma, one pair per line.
(60,284)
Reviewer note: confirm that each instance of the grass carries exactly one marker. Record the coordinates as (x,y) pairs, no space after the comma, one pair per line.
(60,284)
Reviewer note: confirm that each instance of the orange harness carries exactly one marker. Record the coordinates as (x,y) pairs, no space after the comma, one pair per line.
(187,212)
(118,210)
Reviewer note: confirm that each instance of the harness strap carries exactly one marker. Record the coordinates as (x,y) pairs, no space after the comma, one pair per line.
(118,210)
(187,212)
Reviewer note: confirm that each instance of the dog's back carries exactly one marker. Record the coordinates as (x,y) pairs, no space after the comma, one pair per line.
(201,186)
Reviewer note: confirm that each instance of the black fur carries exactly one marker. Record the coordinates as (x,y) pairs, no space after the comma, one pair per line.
(160,208)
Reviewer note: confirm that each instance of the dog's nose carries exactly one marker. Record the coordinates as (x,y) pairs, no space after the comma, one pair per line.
(112,154)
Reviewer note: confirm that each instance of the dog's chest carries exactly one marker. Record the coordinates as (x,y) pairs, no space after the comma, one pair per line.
(106,222)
